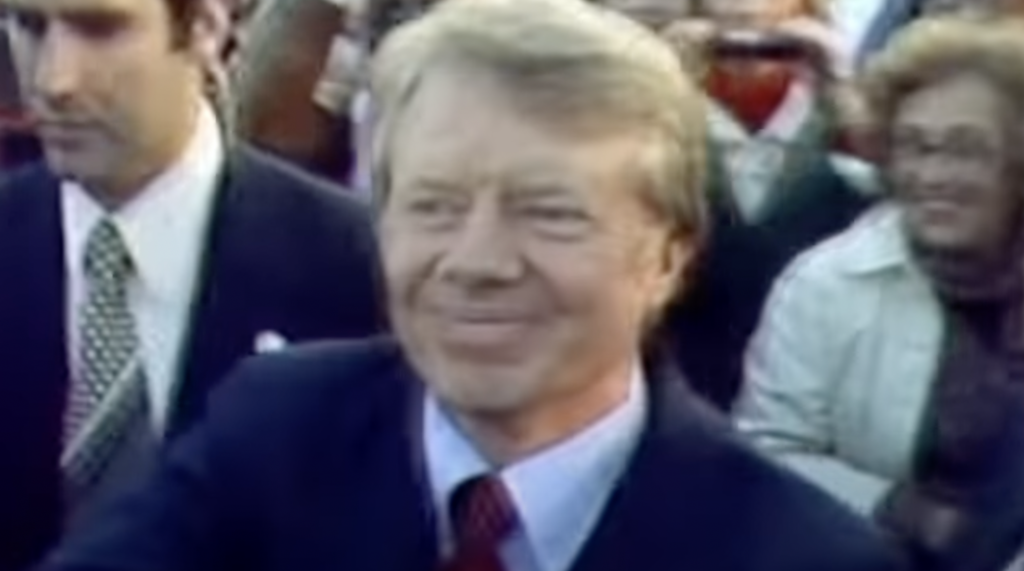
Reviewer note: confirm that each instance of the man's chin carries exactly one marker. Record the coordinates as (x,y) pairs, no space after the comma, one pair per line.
(73,165)
(481,396)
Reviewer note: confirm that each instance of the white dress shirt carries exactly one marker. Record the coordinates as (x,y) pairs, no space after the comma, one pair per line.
(164,228)
(559,492)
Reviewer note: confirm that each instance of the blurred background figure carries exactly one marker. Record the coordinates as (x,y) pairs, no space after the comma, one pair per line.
(281,53)
(781,117)
(18,144)
(889,365)
(300,81)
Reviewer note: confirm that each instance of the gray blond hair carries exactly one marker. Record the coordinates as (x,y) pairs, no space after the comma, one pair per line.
(569,60)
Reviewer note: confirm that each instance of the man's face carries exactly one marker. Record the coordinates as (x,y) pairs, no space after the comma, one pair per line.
(519,255)
(112,94)
(949,162)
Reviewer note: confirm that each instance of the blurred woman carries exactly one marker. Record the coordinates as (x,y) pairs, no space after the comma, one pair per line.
(889,364)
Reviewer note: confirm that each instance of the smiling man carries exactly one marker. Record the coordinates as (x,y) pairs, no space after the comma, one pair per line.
(539,166)
(144,257)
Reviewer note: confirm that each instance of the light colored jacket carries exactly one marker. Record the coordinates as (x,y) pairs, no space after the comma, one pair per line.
(840,370)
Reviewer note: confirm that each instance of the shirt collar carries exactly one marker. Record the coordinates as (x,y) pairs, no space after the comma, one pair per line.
(877,243)
(168,215)
(559,492)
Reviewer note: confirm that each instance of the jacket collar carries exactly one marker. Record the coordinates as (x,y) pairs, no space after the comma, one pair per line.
(877,243)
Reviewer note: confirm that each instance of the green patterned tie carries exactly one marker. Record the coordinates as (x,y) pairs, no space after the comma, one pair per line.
(109,392)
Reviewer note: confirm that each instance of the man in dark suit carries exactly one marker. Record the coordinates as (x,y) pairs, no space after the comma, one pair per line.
(539,176)
(145,258)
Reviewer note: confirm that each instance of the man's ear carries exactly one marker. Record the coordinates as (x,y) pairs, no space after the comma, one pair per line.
(677,259)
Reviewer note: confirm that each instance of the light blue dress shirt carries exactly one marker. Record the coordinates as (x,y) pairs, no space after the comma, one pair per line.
(559,492)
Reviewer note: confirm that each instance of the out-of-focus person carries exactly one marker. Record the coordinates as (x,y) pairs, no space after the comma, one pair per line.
(538,172)
(895,14)
(782,179)
(774,70)
(378,18)
(300,75)
(276,67)
(888,364)
(147,254)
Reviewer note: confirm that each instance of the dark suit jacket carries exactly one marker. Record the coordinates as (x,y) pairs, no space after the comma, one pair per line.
(712,324)
(312,460)
(284,253)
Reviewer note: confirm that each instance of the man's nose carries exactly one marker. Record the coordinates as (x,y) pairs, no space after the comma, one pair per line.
(486,250)
(58,65)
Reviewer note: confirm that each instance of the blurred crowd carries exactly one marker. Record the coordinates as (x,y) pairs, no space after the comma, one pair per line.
(855,306)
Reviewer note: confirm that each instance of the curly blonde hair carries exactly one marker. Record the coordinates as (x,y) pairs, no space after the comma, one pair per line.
(934,49)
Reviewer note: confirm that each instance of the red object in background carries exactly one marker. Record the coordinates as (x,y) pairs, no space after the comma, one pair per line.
(18,144)
(752,99)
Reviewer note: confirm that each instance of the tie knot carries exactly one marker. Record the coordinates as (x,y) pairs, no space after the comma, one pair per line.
(107,259)
(482,513)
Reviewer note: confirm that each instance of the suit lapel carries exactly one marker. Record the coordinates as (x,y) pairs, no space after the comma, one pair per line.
(32,341)
(391,485)
(673,480)
(228,280)
(32,296)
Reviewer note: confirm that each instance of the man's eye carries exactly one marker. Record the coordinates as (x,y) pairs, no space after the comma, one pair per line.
(557,222)
(555,214)
(433,206)
(98,26)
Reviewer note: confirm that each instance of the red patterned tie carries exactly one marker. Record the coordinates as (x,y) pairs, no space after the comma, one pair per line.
(482,515)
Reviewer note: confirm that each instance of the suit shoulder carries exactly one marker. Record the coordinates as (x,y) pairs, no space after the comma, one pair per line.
(280,411)
(301,188)
(338,371)
(779,512)
(746,511)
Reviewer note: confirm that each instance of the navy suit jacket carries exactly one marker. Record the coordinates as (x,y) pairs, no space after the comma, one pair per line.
(312,460)
(284,253)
